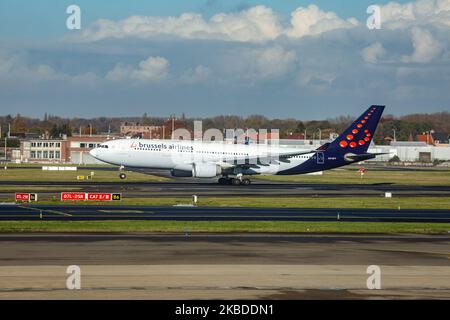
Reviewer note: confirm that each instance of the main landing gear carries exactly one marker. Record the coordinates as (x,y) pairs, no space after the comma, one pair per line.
(234,181)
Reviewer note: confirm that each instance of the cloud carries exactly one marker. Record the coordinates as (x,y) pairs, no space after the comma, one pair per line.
(373,52)
(258,23)
(436,12)
(259,64)
(313,21)
(198,74)
(152,69)
(271,64)
(14,67)
(255,24)
(318,80)
(426,48)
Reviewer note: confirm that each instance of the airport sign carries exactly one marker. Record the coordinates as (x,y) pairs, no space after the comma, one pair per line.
(90,196)
(73,196)
(30,197)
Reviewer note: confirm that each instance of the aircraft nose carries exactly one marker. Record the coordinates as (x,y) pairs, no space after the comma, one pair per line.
(93,152)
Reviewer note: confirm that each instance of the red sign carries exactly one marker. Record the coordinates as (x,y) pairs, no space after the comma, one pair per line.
(22,196)
(82,196)
(98,196)
(73,196)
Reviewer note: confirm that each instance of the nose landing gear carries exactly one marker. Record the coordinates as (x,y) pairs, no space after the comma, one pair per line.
(122,175)
(234,181)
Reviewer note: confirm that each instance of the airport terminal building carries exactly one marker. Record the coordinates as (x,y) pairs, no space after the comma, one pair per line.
(73,150)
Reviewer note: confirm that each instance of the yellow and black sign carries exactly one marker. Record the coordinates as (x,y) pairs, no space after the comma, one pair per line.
(116,197)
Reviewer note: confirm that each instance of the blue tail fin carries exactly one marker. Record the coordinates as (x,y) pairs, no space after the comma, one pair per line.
(358,136)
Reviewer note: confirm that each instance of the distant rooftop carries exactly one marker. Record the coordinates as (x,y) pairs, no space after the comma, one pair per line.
(408,144)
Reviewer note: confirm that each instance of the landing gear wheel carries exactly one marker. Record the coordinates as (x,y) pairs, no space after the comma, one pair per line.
(246,182)
(235,182)
(223,181)
(122,176)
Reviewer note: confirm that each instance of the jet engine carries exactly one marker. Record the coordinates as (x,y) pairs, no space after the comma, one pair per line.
(206,170)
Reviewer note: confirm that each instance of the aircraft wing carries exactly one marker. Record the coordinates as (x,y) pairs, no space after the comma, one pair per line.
(262,159)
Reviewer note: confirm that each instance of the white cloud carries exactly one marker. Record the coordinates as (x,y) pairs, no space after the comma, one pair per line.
(272,62)
(373,52)
(197,75)
(256,24)
(259,64)
(312,21)
(318,80)
(13,67)
(152,69)
(426,48)
(395,15)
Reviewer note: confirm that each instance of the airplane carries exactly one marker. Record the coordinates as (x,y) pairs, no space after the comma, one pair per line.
(233,163)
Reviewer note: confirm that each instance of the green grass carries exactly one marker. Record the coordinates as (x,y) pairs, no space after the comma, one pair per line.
(322,202)
(70,176)
(350,175)
(40,165)
(372,176)
(36,189)
(214,226)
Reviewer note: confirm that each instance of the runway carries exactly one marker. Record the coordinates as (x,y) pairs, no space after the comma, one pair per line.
(224,266)
(192,213)
(256,189)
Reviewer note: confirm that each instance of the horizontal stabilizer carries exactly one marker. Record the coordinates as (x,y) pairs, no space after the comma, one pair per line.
(364,156)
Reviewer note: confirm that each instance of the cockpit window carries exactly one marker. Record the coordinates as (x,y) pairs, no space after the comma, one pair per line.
(104,146)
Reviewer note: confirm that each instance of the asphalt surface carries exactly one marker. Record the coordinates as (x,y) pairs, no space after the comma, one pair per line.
(256,189)
(191,213)
(224,266)
(231,248)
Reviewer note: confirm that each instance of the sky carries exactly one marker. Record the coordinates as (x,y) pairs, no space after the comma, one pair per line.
(281,59)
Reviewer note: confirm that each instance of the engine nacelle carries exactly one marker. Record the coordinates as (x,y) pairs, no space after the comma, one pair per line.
(180,173)
(206,170)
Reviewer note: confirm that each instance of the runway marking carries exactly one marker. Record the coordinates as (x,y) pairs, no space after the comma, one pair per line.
(123,211)
(46,210)
(236,218)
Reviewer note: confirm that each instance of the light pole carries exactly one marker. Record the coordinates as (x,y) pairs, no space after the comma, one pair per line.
(6,143)
(395,137)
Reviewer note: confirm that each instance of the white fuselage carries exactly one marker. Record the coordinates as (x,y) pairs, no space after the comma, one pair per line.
(183,155)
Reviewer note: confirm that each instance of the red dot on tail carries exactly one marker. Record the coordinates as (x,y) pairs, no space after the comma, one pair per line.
(349,137)
(343,144)
(352,144)
(361,142)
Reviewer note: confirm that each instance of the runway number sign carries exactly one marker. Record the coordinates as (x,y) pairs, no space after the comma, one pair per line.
(30,197)
(73,196)
(90,196)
